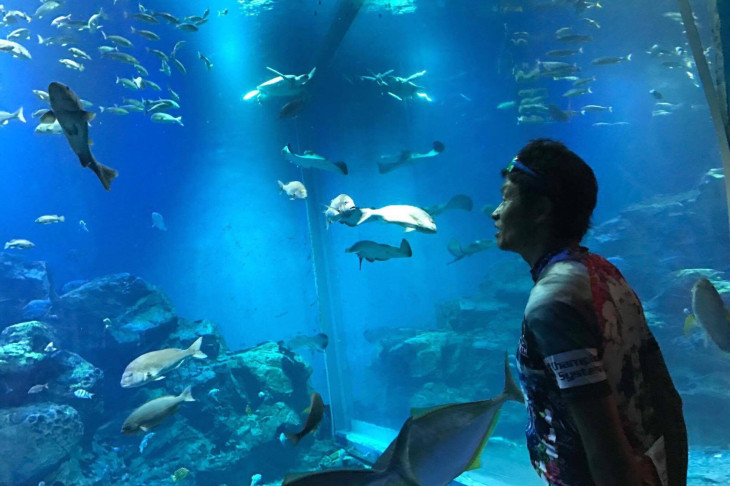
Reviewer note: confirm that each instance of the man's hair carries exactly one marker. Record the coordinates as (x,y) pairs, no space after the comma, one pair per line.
(564,178)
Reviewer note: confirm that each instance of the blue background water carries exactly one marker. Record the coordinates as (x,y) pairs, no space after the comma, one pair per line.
(236,251)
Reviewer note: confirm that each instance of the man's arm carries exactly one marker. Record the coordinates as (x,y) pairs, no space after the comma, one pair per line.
(610,457)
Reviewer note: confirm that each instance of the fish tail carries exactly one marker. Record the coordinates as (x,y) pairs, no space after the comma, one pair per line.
(19,115)
(62,219)
(195,351)
(511,390)
(187,395)
(281,186)
(293,438)
(405,248)
(385,168)
(342,166)
(365,214)
(105,174)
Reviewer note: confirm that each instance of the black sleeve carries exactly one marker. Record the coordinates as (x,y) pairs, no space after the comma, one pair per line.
(569,342)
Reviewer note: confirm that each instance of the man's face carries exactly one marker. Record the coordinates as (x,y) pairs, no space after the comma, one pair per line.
(514,220)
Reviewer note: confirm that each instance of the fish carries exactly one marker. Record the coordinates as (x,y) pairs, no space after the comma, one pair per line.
(76,52)
(411,218)
(49,348)
(84,394)
(50,218)
(22,34)
(293,108)
(5,116)
(281,85)
(114,110)
(15,49)
(82,225)
(152,413)
(180,474)
(141,70)
(151,366)
(41,95)
(222,12)
(396,471)
(144,17)
(602,61)
(71,64)
(166,118)
(318,342)
(145,441)
(46,8)
(575,38)
(158,221)
(187,27)
(460,201)
(49,128)
(293,189)
(316,412)
(340,207)
(656,94)
(178,65)
(710,312)
(459,252)
(310,160)
(19,244)
(577,92)
(93,23)
(157,53)
(372,251)
(74,120)
(592,22)
(444,441)
(506,105)
(37,389)
(118,40)
(147,34)
(207,62)
(406,157)
(595,109)
(165,68)
(564,52)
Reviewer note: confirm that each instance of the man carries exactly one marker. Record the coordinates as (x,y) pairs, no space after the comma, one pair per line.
(602,407)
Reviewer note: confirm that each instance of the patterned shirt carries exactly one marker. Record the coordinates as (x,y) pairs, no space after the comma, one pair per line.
(584,335)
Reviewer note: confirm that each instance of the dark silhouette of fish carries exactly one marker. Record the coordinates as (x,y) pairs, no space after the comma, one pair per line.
(460,201)
(67,109)
(406,157)
(293,108)
(316,412)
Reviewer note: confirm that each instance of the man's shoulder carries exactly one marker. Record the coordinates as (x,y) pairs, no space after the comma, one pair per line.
(566,281)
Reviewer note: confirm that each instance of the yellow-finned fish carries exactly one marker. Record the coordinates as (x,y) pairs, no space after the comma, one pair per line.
(316,412)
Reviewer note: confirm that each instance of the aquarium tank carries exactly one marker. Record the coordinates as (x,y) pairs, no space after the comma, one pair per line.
(252,242)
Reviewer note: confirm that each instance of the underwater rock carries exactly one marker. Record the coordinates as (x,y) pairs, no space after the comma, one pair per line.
(111,318)
(72,285)
(36,310)
(23,347)
(34,439)
(20,282)
(188,331)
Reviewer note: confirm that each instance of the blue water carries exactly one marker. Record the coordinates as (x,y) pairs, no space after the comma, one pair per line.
(239,253)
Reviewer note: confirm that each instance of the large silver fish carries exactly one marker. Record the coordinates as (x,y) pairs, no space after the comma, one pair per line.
(395,472)
(411,218)
(710,312)
(152,413)
(406,157)
(153,365)
(74,120)
(310,160)
(447,440)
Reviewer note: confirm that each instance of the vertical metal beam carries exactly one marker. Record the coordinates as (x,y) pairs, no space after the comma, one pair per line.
(708,85)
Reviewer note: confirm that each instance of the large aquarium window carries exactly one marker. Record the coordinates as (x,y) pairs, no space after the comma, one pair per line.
(249,239)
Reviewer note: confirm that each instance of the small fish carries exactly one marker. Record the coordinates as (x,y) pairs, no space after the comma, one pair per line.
(710,312)
(506,105)
(145,441)
(5,116)
(81,393)
(75,52)
(153,412)
(293,189)
(222,12)
(577,92)
(37,389)
(107,322)
(67,109)
(656,94)
(340,207)
(187,27)
(207,62)
(149,35)
(406,157)
(316,412)
(49,219)
(71,64)
(213,394)
(564,52)
(165,68)
(144,17)
(180,474)
(602,61)
(372,251)
(19,244)
(157,53)
(152,366)
(595,109)
(49,128)
(165,118)
(41,95)
(592,22)
(158,221)
(82,225)
(117,40)
(141,70)
(49,348)
(311,160)
(318,342)
(114,110)
(583,81)
(21,34)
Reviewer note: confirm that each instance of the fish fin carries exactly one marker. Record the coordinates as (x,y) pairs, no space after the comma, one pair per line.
(689,322)
(400,460)
(365,214)
(405,247)
(186,395)
(395,96)
(250,95)
(460,201)
(360,261)
(161,377)
(88,116)
(408,230)
(195,351)
(281,186)
(276,72)
(306,410)
(48,117)
(455,249)
(105,174)
(371,260)
(342,166)
(511,390)
(90,142)
(293,438)
(311,73)
(144,428)
(418,412)
(438,147)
